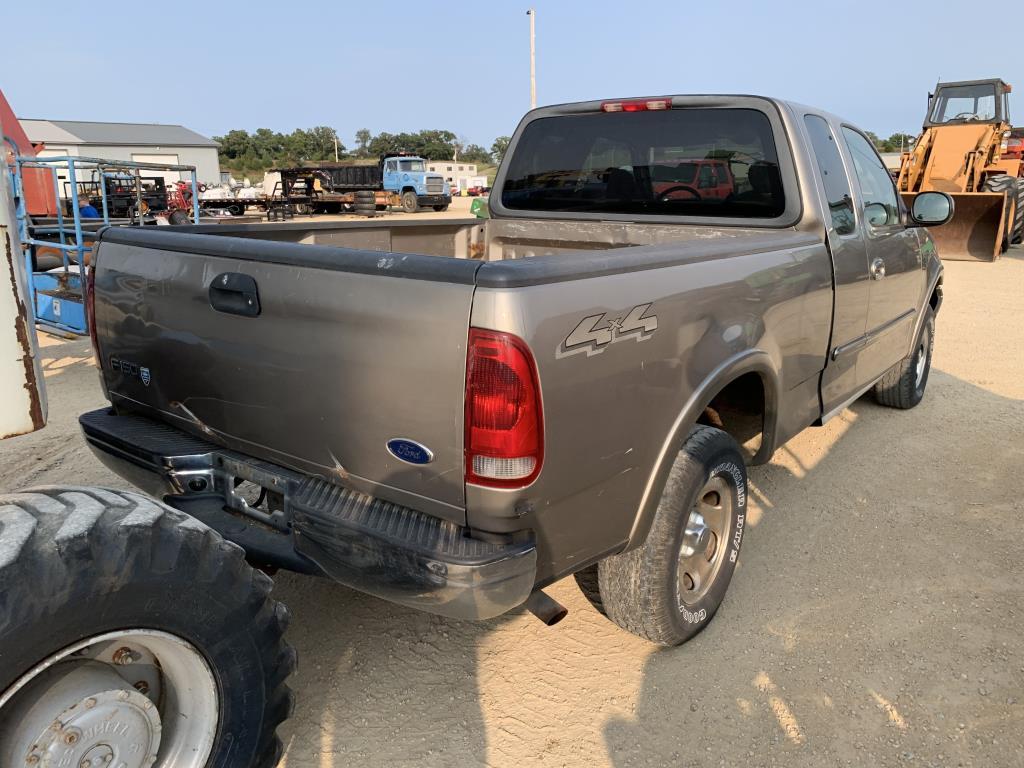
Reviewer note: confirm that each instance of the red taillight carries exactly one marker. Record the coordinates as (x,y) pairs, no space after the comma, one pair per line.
(504,420)
(636,105)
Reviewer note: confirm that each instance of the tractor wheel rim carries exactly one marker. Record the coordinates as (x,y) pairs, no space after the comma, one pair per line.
(155,687)
(705,540)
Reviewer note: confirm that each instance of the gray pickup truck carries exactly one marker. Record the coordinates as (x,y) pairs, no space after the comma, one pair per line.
(452,414)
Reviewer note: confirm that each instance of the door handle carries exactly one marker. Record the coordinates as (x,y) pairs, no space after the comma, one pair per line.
(877,269)
(235,294)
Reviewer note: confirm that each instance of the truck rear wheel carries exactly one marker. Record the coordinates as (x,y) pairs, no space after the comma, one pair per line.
(669,588)
(115,608)
(410,204)
(903,385)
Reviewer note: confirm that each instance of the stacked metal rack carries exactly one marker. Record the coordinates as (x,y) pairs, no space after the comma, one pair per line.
(59,295)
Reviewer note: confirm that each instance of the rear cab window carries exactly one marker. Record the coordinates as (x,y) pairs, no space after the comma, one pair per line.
(833,174)
(716,162)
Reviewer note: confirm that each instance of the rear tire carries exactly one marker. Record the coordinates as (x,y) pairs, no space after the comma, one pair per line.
(903,385)
(668,589)
(80,563)
(587,581)
(178,218)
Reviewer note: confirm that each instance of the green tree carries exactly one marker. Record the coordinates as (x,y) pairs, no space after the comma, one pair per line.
(898,142)
(363,138)
(499,147)
(474,153)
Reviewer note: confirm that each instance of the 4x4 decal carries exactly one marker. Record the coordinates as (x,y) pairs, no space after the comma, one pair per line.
(595,332)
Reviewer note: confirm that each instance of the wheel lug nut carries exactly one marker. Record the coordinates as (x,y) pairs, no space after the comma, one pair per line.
(142,687)
(123,657)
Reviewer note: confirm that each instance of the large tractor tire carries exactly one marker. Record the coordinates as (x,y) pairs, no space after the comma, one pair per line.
(1018,224)
(669,588)
(118,610)
(1008,185)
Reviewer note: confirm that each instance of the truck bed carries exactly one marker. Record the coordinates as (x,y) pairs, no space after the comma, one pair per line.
(485,239)
(353,320)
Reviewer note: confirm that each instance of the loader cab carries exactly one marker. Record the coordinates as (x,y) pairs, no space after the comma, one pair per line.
(970,102)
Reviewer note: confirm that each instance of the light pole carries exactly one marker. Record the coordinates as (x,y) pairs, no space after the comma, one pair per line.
(532,13)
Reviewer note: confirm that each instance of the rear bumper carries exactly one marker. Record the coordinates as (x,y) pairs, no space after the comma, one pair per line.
(310,525)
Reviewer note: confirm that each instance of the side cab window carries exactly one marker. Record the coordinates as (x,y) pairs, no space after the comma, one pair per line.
(881,203)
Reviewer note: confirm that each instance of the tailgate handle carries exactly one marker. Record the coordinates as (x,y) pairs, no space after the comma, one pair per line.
(235,294)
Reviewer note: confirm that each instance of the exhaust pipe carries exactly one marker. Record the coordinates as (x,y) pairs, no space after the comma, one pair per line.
(546,608)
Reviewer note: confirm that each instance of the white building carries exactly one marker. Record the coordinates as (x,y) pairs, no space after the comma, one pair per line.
(139,142)
(457,173)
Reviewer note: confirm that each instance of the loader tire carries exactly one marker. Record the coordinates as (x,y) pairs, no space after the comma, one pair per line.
(1002,182)
(668,589)
(903,385)
(116,608)
(1018,223)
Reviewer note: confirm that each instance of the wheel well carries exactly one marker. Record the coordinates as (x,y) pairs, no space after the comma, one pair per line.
(739,410)
(936,297)
(408,189)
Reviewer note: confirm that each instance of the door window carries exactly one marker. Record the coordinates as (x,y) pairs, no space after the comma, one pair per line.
(707,177)
(833,175)
(881,206)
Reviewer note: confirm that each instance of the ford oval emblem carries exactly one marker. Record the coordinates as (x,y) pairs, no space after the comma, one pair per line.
(410,451)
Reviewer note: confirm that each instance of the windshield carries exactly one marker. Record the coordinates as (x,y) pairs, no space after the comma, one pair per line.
(965,102)
(411,165)
(686,162)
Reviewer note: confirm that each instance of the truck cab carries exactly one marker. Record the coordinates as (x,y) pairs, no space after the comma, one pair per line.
(407,176)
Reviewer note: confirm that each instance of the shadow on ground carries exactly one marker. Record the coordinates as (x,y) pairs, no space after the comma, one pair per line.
(876,617)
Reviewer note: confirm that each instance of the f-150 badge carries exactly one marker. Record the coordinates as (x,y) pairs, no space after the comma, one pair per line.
(595,332)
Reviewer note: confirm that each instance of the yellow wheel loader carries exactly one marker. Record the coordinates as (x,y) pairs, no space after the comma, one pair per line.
(963,151)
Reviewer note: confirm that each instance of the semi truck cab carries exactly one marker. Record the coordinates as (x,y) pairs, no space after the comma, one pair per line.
(407,176)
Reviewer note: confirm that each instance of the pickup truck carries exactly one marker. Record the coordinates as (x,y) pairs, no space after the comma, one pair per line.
(453,414)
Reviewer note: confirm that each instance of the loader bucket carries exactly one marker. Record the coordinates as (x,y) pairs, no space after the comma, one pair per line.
(978,228)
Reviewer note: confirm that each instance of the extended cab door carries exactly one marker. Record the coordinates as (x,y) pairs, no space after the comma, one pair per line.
(842,376)
(897,280)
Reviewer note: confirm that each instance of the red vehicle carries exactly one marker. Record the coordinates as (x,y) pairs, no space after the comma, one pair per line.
(693,180)
(1015,144)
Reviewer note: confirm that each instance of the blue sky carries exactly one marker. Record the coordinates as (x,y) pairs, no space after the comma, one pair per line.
(464,66)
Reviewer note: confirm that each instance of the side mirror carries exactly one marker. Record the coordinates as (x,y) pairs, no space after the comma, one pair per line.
(930,209)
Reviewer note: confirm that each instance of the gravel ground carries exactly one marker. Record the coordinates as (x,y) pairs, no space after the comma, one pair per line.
(875,619)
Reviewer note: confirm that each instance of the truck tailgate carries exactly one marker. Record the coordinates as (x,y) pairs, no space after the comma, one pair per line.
(349,350)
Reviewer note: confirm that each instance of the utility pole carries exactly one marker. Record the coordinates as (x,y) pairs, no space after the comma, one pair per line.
(335,147)
(532,13)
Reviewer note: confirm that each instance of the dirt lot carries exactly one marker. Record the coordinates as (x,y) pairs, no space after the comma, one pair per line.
(876,618)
